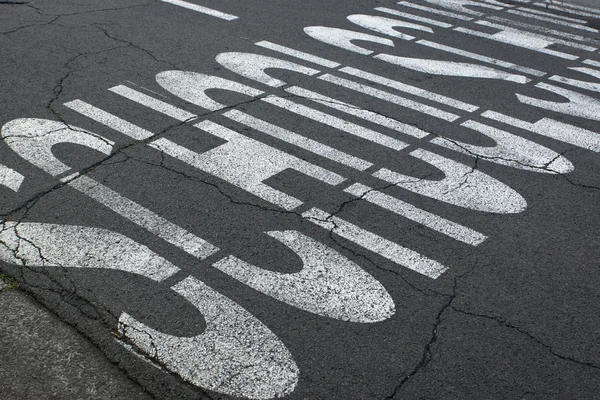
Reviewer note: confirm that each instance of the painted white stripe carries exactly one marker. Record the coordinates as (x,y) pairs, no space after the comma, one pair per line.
(593,86)
(425,94)
(328,284)
(392,98)
(542,29)
(336,122)
(579,105)
(359,112)
(435,11)
(414,17)
(202,9)
(553,129)
(298,140)
(571,8)
(520,39)
(392,251)
(432,221)
(153,103)
(554,20)
(553,16)
(479,57)
(592,62)
(10,178)
(108,119)
(459,5)
(298,54)
(145,218)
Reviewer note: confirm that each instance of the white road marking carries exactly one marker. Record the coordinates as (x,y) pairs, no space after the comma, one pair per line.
(579,105)
(108,119)
(392,98)
(551,15)
(192,87)
(392,251)
(336,123)
(459,5)
(432,221)
(10,178)
(153,103)
(202,9)
(342,38)
(510,150)
(403,87)
(435,11)
(572,9)
(593,86)
(298,140)
(329,284)
(452,68)
(554,19)
(356,111)
(70,246)
(236,355)
(298,54)
(592,62)
(463,186)
(414,17)
(479,57)
(246,163)
(386,25)
(252,66)
(553,129)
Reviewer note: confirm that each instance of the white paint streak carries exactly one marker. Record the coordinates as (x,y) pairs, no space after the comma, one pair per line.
(429,21)
(392,251)
(343,38)
(451,68)
(10,178)
(579,105)
(432,221)
(252,66)
(463,186)
(572,9)
(392,98)
(298,140)
(386,25)
(356,111)
(329,284)
(551,15)
(298,54)
(479,57)
(202,9)
(460,5)
(236,355)
(153,103)
(435,11)
(192,87)
(553,129)
(592,62)
(336,123)
(595,87)
(70,246)
(246,163)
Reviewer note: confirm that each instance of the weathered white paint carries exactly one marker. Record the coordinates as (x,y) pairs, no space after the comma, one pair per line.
(253,66)
(153,103)
(386,25)
(70,246)
(33,139)
(356,111)
(413,17)
(202,9)
(10,178)
(593,86)
(451,68)
(479,57)
(555,19)
(510,150)
(463,186)
(192,87)
(392,251)
(236,355)
(592,62)
(432,221)
(298,140)
(552,16)
(415,91)
(579,105)
(298,54)
(392,98)
(435,11)
(542,29)
(553,129)
(337,123)
(461,5)
(571,9)
(328,284)
(343,38)
(246,163)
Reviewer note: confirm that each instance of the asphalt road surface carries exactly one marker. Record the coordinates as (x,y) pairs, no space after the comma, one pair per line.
(312,199)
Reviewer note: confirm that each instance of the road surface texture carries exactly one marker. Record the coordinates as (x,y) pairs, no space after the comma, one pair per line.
(304,200)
